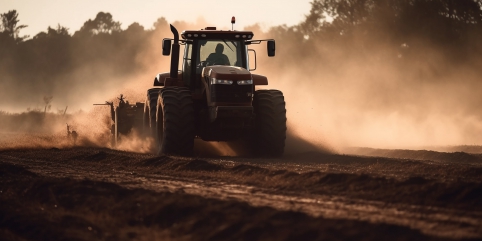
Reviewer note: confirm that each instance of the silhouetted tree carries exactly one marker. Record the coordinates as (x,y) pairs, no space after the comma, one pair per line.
(103,23)
(363,24)
(51,32)
(59,31)
(161,23)
(135,28)
(9,25)
(47,101)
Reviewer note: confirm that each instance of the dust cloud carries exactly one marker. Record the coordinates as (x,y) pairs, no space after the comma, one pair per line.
(43,130)
(334,101)
(376,108)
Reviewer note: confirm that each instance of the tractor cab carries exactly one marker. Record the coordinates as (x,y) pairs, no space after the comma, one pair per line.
(209,47)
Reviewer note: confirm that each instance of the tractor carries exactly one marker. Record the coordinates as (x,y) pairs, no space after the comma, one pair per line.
(214,96)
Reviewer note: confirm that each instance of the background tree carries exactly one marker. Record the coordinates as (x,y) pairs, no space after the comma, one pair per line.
(59,31)
(103,23)
(47,101)
(9,25)
(448,25)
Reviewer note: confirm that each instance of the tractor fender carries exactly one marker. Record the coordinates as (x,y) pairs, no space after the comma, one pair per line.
(259,79)
(161,78)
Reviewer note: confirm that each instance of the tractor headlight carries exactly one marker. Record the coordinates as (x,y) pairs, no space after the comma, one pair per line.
(245,82)
(215,81)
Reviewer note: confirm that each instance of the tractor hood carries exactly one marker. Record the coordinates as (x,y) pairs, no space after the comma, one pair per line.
(226,73)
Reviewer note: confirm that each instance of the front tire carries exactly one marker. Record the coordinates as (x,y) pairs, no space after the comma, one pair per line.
(270,123)
(175,121)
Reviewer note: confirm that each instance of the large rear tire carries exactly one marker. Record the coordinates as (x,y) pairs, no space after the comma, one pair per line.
(175,121)
(270,123)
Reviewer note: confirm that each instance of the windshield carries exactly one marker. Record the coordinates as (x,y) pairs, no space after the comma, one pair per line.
(220,52)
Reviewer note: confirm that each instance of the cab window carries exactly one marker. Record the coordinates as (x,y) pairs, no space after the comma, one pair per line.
(220,52)
(186,73)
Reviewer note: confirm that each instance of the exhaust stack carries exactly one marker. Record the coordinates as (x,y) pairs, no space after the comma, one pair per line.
(175,54)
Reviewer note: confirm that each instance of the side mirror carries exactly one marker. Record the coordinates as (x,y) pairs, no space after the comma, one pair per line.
(166,47)
(271,48)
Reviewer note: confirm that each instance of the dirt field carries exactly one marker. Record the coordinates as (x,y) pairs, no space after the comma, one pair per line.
(88,193)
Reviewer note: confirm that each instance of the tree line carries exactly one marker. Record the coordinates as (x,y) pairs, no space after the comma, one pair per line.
(56,51)
(405,31)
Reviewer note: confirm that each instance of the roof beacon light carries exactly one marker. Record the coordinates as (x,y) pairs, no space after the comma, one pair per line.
(233,21)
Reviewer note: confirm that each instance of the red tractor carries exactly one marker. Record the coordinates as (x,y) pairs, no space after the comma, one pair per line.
(214,96)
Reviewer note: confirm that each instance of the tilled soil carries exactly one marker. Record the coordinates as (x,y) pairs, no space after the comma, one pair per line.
(101,194)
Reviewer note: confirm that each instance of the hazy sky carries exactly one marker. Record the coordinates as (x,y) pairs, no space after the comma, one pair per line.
(39,14)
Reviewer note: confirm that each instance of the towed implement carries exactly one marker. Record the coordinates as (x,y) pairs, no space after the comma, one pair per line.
(214,96)
(125,117)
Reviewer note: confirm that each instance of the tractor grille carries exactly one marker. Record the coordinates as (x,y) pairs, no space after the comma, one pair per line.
(231,93)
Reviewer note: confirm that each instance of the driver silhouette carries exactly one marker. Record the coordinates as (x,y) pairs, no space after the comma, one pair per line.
(218,58)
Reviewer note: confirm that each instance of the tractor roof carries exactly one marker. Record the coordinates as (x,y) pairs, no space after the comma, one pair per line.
(212,33)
